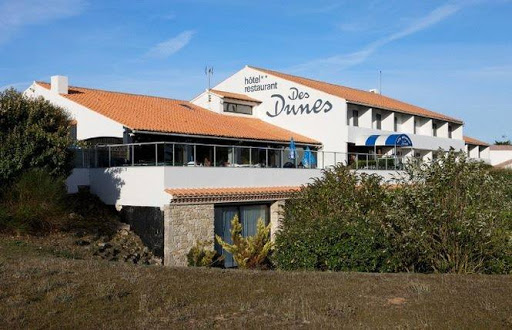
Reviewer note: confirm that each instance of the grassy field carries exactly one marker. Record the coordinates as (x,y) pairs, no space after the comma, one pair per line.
(45,285)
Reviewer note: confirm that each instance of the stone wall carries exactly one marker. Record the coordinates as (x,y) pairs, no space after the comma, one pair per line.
(184,225)
(276,210)
(148,224)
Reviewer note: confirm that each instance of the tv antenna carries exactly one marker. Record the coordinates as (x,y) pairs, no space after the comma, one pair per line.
(380,82)
(208,71)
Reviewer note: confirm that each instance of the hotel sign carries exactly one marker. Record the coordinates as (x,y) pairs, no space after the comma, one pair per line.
(297,103)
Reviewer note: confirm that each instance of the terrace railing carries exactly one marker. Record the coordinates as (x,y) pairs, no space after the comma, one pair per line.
(211,155)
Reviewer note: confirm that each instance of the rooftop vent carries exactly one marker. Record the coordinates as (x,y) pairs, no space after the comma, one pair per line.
(186,106)
(374,91)
(59,84)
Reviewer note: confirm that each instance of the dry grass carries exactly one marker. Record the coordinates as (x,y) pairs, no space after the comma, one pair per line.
(45,287)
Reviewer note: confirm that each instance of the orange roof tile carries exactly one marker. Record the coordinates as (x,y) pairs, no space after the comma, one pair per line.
(470,140)
(158,114)
(234,96)
(205,195)
(358,96)
(501,147)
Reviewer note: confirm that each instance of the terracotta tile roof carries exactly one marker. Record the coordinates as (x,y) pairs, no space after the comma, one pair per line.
(470,140)
(231,194)
(500,147)
(505,164)
(158,114)
(358,96)
(234,96)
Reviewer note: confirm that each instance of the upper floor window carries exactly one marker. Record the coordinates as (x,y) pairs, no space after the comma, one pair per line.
(450,131)
(416,125)
(73,131)
(355,118)
(378,121)
(395,128)
(237,108)
(434,129)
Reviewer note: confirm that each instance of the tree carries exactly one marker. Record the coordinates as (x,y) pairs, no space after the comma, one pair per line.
(503,141)
(33,134)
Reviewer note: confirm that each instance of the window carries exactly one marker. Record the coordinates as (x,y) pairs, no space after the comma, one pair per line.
(355,118)
(450,131)
(396,124)
(434,129)
(237,108)
(416,125)
(248,216)
(378,121)
(73,132)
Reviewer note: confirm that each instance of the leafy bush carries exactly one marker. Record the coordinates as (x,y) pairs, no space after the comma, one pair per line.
(333,224)
(34,134)
(33,204)
(450,215)
(200,256)
(248,252)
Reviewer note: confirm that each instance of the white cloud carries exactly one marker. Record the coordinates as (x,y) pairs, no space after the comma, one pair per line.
(16,14)
(171,46)
(351,59)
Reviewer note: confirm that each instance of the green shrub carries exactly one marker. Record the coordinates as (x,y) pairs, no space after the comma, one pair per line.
(248,252)
(33,204)
(334,224)
(33,134)
(200,256)
(449,215)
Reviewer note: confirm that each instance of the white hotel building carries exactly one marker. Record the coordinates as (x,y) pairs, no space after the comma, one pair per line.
(178,171)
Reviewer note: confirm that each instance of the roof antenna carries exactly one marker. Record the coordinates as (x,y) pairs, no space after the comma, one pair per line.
(208,71)
(380,82)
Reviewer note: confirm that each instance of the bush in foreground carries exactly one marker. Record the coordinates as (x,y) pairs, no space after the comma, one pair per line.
(33,134)
(33,204)
(450,215)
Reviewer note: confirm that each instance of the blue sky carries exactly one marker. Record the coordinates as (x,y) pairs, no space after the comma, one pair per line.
(453,57)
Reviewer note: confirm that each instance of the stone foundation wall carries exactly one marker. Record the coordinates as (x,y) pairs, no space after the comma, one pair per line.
(184,225)
(276,210)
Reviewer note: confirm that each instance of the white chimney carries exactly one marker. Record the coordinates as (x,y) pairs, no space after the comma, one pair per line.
(59,84)
(374,90)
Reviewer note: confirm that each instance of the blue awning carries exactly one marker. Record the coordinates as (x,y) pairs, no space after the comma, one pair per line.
(393,140)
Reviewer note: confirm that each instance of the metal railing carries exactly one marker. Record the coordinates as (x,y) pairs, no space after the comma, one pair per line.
(213,155)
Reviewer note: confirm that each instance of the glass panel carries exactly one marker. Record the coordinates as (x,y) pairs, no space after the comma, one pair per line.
(120,156)
(204,155)
(101,157)
(274,158)
(222,227)
(144,155)
(223,156)
(184,154)
(258,157)
(250,215)
(241,157)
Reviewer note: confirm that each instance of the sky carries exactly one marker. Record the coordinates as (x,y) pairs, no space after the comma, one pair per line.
(453,57)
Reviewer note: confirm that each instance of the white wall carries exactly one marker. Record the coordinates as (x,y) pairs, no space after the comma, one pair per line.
(135,186)
(499,156)
(79,177)
(90,124)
